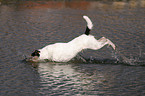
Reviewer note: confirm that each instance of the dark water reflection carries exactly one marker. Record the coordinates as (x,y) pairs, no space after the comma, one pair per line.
(28,25)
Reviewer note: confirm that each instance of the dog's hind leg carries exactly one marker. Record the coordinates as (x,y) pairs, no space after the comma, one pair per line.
(104,41)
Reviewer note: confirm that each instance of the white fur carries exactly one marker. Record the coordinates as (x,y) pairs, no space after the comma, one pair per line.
(89,22)
(63,52)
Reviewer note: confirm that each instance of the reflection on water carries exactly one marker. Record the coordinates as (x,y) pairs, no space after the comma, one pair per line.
(85,79)
(65,79)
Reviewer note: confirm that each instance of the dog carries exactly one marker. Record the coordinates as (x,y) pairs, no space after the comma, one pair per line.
(64,52)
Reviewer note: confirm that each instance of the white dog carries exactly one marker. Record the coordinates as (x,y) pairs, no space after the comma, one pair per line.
(64,52)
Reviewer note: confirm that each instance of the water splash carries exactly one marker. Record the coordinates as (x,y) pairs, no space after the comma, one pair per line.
(128,60)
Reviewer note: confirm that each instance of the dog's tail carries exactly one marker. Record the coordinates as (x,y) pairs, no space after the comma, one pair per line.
(89,25)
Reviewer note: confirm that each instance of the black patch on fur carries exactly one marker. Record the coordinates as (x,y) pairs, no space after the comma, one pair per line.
(87,32)
(35,53)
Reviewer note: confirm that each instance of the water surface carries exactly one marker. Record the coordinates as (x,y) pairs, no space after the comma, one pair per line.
(28,25)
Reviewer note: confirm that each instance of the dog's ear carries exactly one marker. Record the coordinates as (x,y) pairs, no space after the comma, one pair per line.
(35,53)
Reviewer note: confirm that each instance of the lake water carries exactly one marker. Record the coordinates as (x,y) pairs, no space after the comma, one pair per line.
(28,25)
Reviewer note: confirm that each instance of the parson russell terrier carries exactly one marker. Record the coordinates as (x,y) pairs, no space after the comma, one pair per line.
(64,52)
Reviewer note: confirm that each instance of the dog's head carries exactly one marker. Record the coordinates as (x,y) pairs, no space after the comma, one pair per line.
(35,53)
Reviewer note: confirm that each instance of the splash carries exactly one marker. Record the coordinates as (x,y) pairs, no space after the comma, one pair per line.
(128,60)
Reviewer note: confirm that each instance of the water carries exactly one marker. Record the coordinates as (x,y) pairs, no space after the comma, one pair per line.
(26,26)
